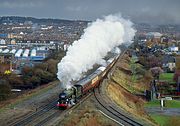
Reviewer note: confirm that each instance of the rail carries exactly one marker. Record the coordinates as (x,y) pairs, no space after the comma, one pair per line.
(117,116)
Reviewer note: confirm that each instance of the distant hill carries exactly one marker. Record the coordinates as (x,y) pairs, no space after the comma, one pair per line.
(17,19)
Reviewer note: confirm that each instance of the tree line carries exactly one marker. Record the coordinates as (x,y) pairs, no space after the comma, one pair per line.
(31,77)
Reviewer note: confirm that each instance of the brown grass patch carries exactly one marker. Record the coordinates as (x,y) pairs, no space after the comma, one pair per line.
(86,117)
(173,121)
(124,78)
(125,99)
(129,102)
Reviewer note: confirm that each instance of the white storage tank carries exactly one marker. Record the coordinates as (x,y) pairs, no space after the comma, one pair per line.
(13,51)
(26,53)
(33,52)
(5,51)
(18,53)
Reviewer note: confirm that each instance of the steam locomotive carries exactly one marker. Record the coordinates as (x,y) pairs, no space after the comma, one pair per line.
(69,97)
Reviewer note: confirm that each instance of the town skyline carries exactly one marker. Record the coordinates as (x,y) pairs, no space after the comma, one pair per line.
(142,11)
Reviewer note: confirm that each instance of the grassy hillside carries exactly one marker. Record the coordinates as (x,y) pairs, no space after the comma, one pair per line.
(123,89)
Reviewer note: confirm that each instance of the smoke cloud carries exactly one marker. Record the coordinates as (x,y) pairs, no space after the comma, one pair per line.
(99,38)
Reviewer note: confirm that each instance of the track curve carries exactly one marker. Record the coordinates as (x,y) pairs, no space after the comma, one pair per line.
(113,112)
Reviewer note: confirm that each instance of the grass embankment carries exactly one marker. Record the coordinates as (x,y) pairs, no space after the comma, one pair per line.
(163,120)
(123,76)
(85,118)
(168,104)
(166,77)
(27,95)
(86,115)
(122,89)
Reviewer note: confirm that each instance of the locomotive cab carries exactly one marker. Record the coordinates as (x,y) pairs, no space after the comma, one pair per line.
(66,98)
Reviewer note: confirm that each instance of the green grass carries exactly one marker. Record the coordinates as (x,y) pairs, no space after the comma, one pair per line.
(160,119)
(164,120)
(166,77)
(173,104)
(155,103)
(168,104)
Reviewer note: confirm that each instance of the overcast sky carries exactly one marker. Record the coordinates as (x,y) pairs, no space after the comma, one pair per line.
(153,11)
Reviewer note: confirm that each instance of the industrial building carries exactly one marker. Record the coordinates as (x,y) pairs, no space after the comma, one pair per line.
(14,58)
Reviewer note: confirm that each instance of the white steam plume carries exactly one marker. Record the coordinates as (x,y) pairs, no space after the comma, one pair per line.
(98,39)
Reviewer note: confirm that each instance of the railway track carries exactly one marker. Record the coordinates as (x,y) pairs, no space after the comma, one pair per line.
(35,115)
(45,114)
(111,111)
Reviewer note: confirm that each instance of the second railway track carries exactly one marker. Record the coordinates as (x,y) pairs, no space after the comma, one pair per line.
(112,112)
(30,118)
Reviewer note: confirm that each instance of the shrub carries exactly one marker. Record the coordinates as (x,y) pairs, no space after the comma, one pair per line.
(5,90)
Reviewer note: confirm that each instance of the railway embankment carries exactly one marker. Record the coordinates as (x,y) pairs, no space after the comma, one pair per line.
(127,90)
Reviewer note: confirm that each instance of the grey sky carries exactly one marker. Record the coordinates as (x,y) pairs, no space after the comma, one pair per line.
(154,11)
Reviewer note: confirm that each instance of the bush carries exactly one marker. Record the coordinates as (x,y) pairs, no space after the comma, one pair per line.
(148,76)
(44,76)
(5,90)
(140,70)
(35,80)
(14,80)
(27,71)
(176,75)
(52,66)
(42,66)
